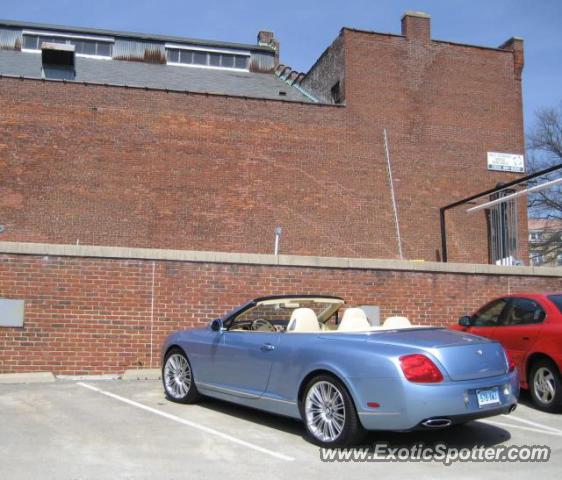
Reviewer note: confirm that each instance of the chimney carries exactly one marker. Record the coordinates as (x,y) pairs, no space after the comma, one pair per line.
(416,26)
(515,45)
(267,39)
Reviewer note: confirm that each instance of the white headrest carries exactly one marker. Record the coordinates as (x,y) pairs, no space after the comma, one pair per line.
(354,320)
(396,322)
(303,320)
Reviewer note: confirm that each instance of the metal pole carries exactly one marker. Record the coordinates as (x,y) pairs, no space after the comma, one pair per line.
(504,186)
(392,195)
(277,238)
(511,196)
(443,235)
(481,194)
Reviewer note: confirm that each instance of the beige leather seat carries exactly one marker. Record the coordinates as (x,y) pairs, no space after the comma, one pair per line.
(354,320)
(396,322)
(303,320)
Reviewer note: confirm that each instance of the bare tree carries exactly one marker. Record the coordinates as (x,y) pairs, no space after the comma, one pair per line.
(544,143)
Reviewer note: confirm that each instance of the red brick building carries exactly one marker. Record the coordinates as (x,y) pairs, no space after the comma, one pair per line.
(144,141)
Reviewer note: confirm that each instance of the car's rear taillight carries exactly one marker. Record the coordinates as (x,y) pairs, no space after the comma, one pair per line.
(420,369)
(510,362)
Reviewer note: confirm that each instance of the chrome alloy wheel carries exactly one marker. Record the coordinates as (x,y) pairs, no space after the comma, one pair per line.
(325,411)
(544,384)
(177,376)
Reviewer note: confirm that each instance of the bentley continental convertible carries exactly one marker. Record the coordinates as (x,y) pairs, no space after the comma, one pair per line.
(310,358)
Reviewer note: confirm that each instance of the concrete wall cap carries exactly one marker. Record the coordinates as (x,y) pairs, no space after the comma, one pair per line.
(154,254)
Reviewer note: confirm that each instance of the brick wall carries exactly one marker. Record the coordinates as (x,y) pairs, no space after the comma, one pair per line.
(102,315)
(328,70)
(444,106)
(131,167)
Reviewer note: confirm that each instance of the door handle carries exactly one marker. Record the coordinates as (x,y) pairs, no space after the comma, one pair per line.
(526,338)
(267,347)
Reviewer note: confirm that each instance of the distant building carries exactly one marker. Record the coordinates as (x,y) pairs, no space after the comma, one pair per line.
(545,242)
(137,140)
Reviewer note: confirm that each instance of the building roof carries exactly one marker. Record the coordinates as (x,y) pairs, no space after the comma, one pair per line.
(128,64)
(134,35)
(168,77)
(546,224)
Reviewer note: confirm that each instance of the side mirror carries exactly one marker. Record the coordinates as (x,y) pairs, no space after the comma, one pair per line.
(465,321)
(216,325)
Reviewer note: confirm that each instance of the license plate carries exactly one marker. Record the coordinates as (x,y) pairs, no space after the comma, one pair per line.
(490,396)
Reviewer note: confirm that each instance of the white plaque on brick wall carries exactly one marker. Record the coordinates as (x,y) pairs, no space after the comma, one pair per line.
(506,162)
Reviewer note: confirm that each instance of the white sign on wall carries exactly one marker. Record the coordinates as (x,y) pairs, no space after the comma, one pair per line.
(506,162)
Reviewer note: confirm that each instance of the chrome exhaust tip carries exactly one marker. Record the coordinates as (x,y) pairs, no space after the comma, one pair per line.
(512,408)
(437,423)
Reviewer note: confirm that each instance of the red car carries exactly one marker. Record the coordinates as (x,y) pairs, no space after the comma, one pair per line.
(529,326)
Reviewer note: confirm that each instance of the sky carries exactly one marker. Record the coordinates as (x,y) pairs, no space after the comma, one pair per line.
(306,27)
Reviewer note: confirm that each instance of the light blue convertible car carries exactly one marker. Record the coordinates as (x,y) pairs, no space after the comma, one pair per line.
(301,356)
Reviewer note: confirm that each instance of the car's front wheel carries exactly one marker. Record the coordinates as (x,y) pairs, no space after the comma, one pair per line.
(545,386)
(329,413)
(177,378)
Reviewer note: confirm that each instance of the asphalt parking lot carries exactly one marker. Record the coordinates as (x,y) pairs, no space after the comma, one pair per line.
(127,429)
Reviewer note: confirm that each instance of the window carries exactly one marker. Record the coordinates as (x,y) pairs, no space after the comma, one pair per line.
(200,58)
(99,48)
(227,61)
(261,318)
(335,93)
(215,59)
(274,315)
(557,300)
(241,62)
(523,311)
(208,59)
(537,258)
(490,315)
(502,223)
(173,56)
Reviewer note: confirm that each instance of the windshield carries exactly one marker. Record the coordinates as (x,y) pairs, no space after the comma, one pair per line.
(276,313)
(557,300)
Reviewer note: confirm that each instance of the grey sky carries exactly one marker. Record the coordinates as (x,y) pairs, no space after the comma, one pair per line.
(306,28)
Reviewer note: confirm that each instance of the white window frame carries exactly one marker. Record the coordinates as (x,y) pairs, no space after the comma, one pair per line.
(46,33)
(177,46)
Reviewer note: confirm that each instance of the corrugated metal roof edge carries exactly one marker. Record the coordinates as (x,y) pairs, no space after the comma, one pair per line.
(170,90)
(135,35)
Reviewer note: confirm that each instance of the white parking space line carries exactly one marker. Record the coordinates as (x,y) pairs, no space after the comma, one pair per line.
(534,424)
(529,429)
(197,426)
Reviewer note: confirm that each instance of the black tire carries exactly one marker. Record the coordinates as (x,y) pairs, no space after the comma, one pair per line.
(352,432)
(545,370)
(177,378)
